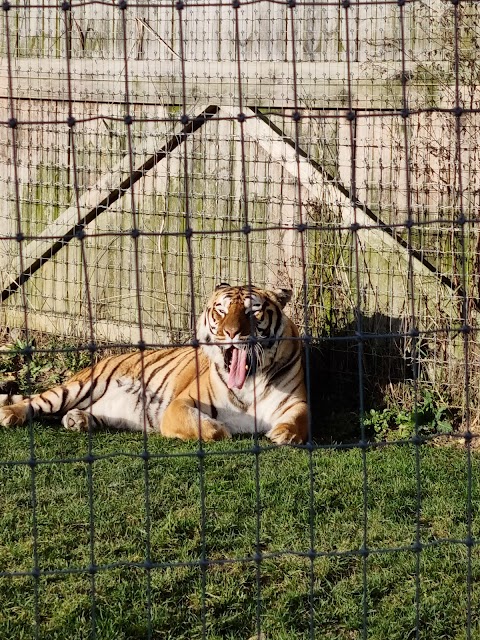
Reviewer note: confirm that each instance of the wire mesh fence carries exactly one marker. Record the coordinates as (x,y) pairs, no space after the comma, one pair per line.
(151,151)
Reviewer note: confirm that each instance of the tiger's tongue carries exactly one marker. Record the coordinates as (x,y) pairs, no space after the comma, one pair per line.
(238,369)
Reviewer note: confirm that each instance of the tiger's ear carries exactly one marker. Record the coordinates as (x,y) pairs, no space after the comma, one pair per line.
(222,285)
(282,296)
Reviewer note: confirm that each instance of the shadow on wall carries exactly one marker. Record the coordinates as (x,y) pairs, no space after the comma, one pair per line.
(347,372)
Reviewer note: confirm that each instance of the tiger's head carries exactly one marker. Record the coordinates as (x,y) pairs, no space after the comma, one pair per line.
(240,329)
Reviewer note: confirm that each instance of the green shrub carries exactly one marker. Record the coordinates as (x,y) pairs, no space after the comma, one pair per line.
(429,417)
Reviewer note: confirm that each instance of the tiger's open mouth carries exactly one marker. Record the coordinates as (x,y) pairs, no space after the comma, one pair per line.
(239,363)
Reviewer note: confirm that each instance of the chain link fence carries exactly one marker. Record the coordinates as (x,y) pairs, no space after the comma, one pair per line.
(152,150)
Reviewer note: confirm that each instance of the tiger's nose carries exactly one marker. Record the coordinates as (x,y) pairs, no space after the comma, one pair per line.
(232,332)
(236,323)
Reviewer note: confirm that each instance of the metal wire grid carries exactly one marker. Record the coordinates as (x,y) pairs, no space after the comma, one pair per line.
(456,214)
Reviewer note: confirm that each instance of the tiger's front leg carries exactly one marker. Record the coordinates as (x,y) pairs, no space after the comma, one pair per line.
(182,419)
(53,401)
(293,429)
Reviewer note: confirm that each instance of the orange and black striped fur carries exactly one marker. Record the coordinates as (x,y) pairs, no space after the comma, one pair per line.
(246,377)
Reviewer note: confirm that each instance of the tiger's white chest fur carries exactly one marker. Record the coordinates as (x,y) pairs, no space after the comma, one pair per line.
(257,406)
(245,410)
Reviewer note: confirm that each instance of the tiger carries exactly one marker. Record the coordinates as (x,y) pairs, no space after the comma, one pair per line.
(242,375)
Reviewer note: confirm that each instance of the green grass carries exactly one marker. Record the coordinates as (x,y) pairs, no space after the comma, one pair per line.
(120,530)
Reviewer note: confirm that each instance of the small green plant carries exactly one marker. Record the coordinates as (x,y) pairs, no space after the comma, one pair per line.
(429,417)
(36,370)
(21,361)
(76,359)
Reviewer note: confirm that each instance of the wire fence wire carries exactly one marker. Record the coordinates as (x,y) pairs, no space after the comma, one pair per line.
(153,150)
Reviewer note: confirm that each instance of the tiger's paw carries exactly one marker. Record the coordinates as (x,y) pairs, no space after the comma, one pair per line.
(9,393)
(183,420)
(285,433)
(206,429)
(13,415)
(210,430)
(77,420)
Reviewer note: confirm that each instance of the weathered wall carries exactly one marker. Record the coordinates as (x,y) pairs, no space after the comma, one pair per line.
(231,175)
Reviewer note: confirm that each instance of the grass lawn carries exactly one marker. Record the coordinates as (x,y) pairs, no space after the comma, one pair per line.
(113,524)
